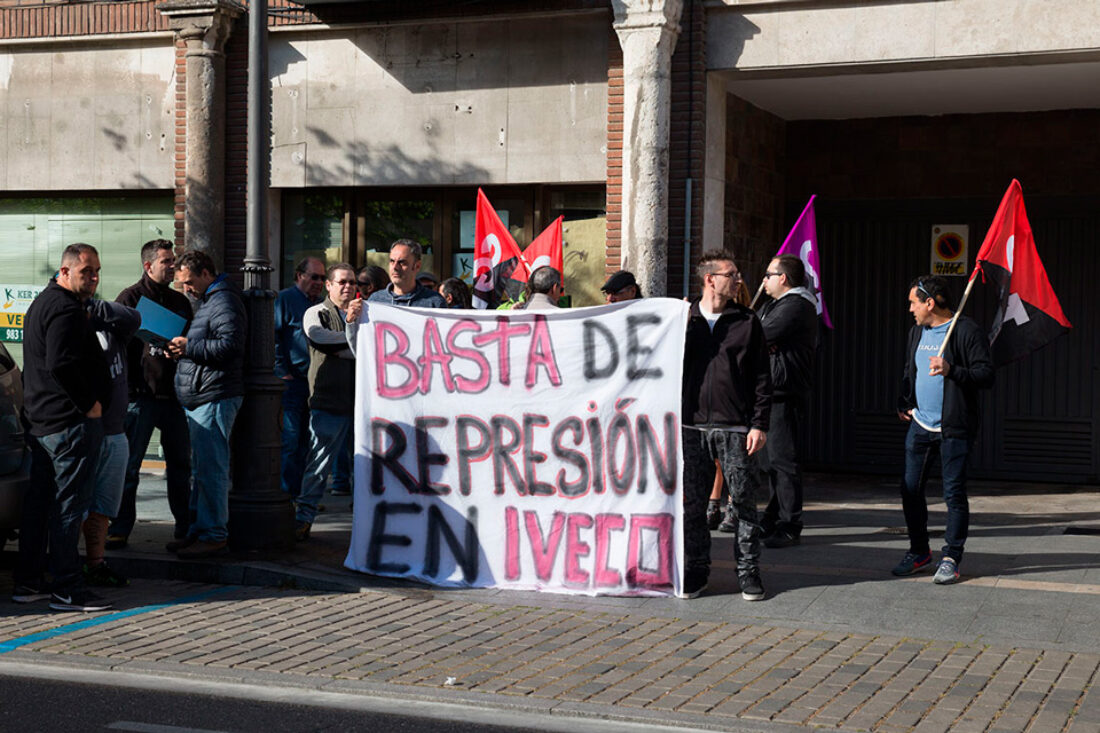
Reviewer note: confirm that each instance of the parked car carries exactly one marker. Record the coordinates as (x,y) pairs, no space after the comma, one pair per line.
(14,456)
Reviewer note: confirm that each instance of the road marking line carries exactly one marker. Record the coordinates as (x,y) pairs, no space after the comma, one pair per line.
(13,644)
(154,728)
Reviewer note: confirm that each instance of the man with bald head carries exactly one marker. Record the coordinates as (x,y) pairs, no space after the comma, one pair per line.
(66,385)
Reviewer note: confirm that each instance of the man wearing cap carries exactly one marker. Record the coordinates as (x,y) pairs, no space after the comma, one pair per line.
(621,286)
(428,280)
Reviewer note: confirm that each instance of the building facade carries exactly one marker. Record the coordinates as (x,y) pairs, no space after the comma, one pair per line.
(658,128)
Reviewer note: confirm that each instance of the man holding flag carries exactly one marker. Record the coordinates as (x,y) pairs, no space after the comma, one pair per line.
(790,327)
(939,400)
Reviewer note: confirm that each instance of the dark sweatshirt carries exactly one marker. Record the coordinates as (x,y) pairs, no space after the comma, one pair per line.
(115,325)
(152,373)
(64,369)
(727,379)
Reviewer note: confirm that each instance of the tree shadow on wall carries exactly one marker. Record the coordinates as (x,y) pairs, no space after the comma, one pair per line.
(364,164)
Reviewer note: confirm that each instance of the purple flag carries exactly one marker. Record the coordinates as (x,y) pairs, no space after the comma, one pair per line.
(802,243)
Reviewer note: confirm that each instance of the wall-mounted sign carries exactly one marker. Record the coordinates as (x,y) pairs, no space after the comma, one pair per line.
(14,301)
(949,243)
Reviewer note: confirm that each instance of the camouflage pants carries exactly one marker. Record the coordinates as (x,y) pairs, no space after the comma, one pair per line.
(701,448)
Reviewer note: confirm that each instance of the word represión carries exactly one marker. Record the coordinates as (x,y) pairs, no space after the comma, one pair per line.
(616,457)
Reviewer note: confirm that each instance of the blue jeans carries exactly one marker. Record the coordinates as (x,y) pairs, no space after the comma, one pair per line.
(921,449)
(295,434)
(341,472)
(62,478)
(210,426)
(110,474)
(142,415)
(330,438)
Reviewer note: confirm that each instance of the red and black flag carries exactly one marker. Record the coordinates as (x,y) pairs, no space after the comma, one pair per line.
(546,249)
(499,269)
(1028,313)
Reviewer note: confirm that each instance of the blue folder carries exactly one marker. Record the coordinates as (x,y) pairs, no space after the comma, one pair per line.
(158,324)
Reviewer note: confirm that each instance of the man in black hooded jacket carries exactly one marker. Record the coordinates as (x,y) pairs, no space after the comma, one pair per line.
(791,328)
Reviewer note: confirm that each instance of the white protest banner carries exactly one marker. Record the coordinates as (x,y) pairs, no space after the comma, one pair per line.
(521,449)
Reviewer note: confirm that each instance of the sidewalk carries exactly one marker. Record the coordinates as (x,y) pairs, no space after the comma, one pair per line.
(839,643)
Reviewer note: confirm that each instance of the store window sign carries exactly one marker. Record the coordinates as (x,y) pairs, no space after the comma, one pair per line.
(13,306)
(949,249)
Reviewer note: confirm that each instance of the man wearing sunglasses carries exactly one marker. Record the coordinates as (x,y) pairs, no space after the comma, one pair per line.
(727,395)
(790,326)
(331,385)
(939,400)
(292,366)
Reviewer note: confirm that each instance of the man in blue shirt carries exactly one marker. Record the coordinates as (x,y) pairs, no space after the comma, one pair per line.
(292,366)
(939,400)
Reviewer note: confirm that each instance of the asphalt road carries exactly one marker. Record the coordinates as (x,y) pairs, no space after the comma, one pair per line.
(35,705)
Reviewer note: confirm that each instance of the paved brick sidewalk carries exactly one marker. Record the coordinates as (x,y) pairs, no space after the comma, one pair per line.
(606,663)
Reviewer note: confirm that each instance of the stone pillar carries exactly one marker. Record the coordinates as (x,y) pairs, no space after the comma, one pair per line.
(647,31)
(204,26)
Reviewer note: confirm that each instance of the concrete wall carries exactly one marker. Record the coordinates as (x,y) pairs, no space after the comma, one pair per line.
(86,118)
(516,101)
(784,35)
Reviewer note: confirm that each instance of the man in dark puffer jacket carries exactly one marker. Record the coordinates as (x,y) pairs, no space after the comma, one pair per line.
(210,386)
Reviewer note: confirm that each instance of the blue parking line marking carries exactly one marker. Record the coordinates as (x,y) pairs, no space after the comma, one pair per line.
(12,644)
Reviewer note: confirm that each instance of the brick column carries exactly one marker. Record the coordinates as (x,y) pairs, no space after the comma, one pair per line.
(202,27)
(647,31)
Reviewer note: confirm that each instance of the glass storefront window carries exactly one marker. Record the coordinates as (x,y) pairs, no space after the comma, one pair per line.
(34,231)
(383,222)
(313,225)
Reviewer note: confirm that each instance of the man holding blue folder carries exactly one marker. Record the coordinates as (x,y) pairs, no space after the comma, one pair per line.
(153,402)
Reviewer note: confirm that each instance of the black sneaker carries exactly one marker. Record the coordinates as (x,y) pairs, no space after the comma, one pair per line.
(103,575)
(782,538)
(714,514)
(913,563)
(751,587)
(301,530)
(340,492)
(29,594)
(78,600)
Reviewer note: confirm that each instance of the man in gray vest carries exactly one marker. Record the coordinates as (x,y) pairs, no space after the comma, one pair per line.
(331,389)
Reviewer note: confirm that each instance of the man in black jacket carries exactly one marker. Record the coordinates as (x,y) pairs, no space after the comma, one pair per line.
(791,328)
(152,398)
(726,399)
(66,385)
(210,386)
(939,400)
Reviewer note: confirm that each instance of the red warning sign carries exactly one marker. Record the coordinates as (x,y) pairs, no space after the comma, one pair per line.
(949,249)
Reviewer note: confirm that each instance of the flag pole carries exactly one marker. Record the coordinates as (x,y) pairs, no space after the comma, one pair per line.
(958,312)
(756,297)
